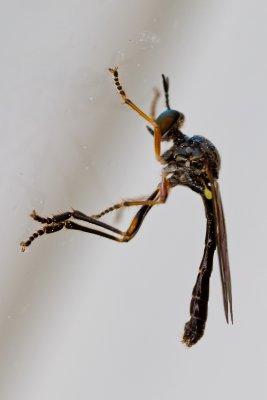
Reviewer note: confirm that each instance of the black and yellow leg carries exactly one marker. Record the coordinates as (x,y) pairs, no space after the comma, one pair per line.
(57,222)
(148,118)
(132,229)
(75,214)
(163,191)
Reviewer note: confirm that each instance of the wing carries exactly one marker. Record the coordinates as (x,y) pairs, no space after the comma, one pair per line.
(222,250)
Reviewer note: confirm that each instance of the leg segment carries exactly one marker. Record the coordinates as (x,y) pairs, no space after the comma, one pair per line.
(154,103)
(163,192)
(72,214)
(153,108)
(55,227)
(157,132)
(60,221)
(46,229)
(132,229)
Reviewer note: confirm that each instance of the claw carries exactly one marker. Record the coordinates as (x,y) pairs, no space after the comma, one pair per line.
(33,214)
(23,246)
(114,71)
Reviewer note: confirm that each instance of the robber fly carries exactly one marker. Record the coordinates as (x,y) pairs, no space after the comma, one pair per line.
(190,161)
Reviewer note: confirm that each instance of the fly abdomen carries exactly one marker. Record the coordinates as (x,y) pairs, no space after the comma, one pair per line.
(195,327)
(193,331)
(199,307)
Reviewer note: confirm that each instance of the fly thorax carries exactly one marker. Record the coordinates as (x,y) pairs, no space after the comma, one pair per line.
(189,158)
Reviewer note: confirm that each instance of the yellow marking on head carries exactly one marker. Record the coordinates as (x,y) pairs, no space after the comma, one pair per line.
(207,193)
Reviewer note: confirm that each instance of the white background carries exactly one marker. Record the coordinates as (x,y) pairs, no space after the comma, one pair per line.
(85,318)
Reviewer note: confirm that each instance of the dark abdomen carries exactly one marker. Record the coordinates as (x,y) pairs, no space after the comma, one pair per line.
(194,328)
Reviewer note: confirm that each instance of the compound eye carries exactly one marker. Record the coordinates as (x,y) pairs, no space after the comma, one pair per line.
(166,120)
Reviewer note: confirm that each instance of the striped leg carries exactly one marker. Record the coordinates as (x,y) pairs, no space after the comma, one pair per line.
(163,192)
(57,222)
(150,119)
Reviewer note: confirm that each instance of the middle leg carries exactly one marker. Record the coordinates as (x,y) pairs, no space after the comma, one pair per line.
(162,195)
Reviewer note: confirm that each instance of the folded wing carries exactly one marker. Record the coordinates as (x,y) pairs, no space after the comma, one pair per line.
(222,250)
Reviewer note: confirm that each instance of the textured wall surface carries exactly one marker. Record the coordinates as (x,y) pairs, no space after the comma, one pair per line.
(85,318)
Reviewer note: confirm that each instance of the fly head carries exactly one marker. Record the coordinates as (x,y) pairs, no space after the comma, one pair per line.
(170,122)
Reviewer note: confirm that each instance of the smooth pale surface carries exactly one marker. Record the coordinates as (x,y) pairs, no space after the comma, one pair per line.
(85,318)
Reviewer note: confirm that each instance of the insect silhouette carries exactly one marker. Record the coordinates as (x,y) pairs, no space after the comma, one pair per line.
(190,161)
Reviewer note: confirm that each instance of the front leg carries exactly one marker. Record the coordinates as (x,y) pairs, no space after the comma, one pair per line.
(133,106)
